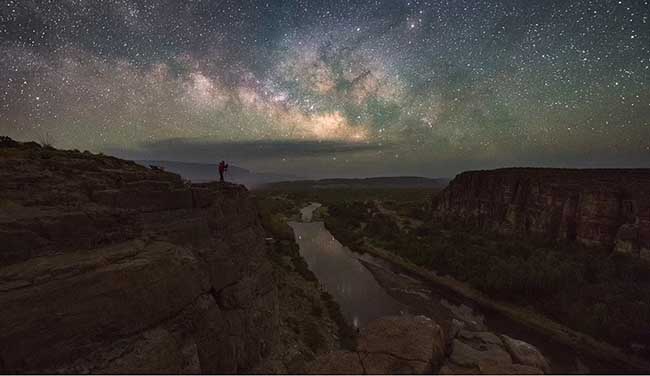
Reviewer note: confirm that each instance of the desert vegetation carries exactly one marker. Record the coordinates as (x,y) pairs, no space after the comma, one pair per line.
(596,292)
(275,212)
(331,196)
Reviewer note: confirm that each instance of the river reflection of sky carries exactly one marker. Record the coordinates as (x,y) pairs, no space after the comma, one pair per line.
(308,212)
(361,298)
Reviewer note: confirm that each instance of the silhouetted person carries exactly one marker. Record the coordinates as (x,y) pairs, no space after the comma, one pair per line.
(223,167)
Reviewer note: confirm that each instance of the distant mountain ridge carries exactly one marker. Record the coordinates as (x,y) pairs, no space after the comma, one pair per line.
(362,183)
(204,172)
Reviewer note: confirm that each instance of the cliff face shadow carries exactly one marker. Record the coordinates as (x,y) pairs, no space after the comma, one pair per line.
(108,266)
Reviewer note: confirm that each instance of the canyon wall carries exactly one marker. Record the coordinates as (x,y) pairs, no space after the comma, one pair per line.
(108,267)
(607,208)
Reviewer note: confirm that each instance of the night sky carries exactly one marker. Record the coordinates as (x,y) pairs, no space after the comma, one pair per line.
(332,87)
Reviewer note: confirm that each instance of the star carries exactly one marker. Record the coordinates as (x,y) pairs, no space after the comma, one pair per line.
(443,85)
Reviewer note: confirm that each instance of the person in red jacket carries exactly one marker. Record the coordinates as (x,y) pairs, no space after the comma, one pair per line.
(223,167)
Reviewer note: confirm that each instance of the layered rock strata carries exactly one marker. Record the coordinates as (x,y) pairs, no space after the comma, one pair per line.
(418,345)
(108,267)
(608,208)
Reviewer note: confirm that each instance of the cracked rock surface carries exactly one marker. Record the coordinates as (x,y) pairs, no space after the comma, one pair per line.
(417,345)
(601,208)
(389,345)
(474,350)
(107,266)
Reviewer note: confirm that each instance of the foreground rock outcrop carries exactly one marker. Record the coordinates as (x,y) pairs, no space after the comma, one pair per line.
(418,345)
(394,344)
(107,267)
(607,208)
(483,352)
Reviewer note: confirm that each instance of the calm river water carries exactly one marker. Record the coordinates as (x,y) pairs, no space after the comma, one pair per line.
(351,284)
(367,288)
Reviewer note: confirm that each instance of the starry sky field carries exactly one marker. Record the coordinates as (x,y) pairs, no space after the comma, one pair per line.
(333,87)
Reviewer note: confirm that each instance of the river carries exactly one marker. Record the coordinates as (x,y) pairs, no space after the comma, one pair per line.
(367,287)
(351,284)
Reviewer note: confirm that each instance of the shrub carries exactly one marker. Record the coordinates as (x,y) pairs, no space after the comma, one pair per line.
(604,295)
(382,227)
(316,309)
(46,140)
(347,335)
(302,268)
(312,336)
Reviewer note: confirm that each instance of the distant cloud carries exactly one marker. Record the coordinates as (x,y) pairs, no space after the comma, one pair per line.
(196,150)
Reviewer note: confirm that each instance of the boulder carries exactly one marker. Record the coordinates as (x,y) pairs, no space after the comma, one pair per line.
(336,363)
(486,367)
(469,356)
(401,344)
(490,367)
(389,345)
(465,316)
(381,364)
(526,354)
(480,337)
(449,368)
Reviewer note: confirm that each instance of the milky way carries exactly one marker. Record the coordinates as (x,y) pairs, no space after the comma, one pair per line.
(333,88)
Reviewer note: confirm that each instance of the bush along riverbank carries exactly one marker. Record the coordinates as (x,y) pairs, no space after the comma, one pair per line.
(604,296)
(311,321)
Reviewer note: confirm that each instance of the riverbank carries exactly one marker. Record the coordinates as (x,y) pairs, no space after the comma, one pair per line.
(311,322)
(596,295)
(368,290)
(614,359)
(580,342)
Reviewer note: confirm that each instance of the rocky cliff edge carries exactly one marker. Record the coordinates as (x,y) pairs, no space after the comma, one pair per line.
(606,208)
(107,267)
